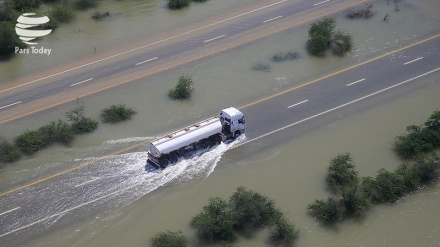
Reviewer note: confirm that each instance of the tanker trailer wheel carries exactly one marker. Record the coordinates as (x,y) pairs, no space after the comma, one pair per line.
(216,139)
(164,163)
(173,158)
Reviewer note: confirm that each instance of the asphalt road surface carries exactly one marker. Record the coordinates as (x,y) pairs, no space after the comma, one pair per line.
(159,54)
(62,199)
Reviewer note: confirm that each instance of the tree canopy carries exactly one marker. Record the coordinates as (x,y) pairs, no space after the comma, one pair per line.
(323,35)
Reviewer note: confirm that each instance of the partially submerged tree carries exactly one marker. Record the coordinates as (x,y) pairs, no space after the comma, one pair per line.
(117,113)
(215,222)
(183,88)
(79,122)
(341,173)
(327,211)
(322,36)
(178,4)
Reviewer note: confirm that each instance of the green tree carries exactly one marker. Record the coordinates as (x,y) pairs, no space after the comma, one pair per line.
(328,211)
(169,239)
(8,40)
(387,187)
(322,35)
(355,203)
(183,88)
(283,231)
(341,172)
(253,208)
(178,4)
(117,113)
(433,121)
(9,152)
(30,141)
(410,176)
(215,222)
(341,43)
(79,122)
(427,168)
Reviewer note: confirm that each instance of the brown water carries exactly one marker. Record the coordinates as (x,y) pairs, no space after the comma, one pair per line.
(290,173)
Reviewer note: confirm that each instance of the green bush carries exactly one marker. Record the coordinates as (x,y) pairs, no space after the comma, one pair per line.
(283,231)
(61,13)
(252,208)
(30,141)
(281,56)
(169,239)
(117,113)
(199,0)
(9,152)
(58,131)
(328,211)
(341,172)
(215,222)
(178,4)
(261,67)
(183,88)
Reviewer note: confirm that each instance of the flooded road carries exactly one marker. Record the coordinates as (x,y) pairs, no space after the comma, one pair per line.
(291,173)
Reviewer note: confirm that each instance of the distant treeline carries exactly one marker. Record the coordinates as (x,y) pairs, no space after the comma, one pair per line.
(352,196)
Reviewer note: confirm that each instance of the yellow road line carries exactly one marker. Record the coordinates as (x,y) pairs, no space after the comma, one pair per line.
(245,106)
(72,169)
(340,71)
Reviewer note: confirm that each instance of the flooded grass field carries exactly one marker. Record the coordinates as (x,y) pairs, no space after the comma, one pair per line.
(291,173)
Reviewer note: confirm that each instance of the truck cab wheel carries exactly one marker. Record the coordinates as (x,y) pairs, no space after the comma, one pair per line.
(237,133)
(164,163)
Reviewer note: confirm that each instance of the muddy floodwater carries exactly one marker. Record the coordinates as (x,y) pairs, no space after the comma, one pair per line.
(291,173)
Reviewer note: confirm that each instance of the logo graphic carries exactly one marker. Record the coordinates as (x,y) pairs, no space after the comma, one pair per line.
(24,23)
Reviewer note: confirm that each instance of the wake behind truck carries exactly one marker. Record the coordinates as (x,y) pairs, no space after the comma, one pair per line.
(202,135)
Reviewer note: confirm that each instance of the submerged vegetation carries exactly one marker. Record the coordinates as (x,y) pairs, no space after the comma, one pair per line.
(183,88)
(169,239)
(419,139)
(117,113)
(178,4)
(323,36)
(221,220)
(63,132)
(352,196)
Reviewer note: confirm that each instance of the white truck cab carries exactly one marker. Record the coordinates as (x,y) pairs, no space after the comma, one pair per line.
(233,122)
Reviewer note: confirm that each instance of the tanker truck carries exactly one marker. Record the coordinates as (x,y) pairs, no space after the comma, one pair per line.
(227,126)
